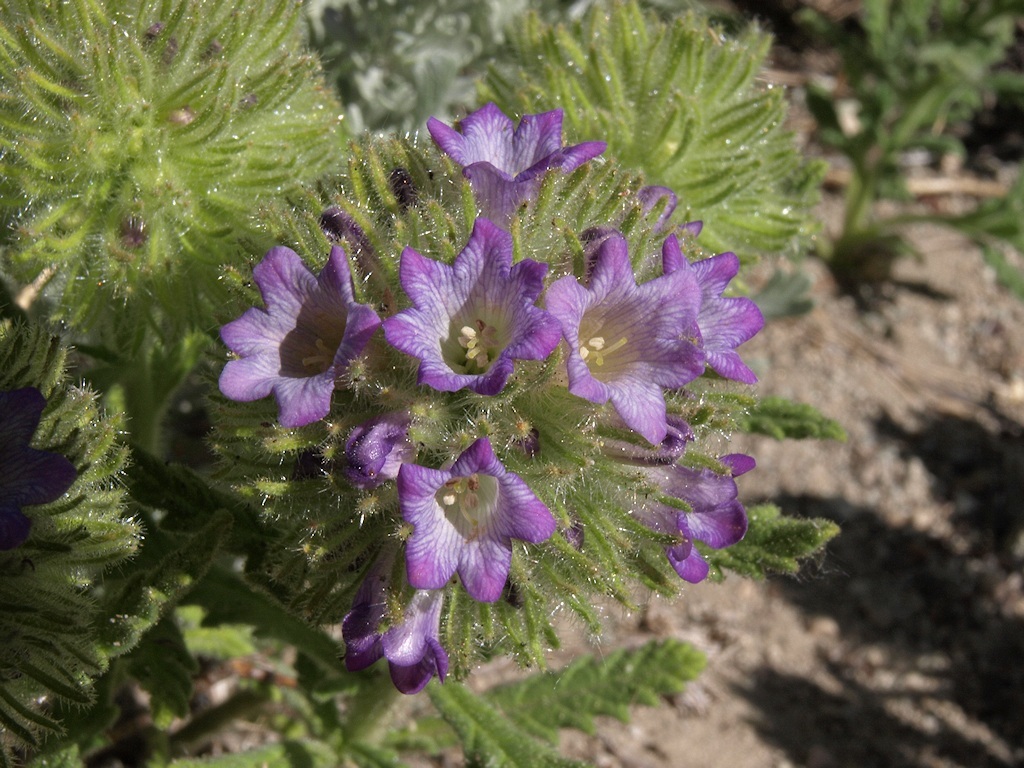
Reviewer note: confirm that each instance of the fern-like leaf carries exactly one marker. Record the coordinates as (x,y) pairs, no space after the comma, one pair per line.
(773,544)
(588,687)
(781,418)
(488,738)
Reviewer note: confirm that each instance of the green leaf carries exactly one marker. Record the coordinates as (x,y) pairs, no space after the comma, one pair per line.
(781,418)
(223,641)
(190,500)
(588,687)
(773,544)
(162,665)
(229,600)
(488,738)
(167,569)
(786,294)
(66,758)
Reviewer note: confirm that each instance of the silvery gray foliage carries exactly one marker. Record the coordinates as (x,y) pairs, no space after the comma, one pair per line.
(395,63)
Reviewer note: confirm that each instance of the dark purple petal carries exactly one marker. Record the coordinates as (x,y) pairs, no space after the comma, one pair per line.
(360,627)
(27,476)
(470,320)
(411,646)
(716,517)
(738,463)
(677,436)
(720,526)
(296,348)
(688,562)
(14,526)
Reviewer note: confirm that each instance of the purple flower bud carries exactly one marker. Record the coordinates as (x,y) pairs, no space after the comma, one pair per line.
(574,535)
(649,199)
(405,192)
(376,449)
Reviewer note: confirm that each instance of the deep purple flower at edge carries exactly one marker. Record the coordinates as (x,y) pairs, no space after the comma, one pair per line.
(27,475)
(723,323)
(464,519)
(504,165)
(470,320)
(297,347)
(717,518)
(627,343)
(412,648)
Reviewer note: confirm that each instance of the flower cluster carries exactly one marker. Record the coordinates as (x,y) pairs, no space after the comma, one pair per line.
(490,334)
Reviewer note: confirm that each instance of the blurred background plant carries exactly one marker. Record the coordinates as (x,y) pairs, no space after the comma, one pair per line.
(912,72)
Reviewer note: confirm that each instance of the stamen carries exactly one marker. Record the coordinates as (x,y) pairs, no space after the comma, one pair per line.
(319,361)
(596,344)
(478,342)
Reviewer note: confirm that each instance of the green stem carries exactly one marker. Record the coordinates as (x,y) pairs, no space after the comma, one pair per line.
(365,716)
(242,706)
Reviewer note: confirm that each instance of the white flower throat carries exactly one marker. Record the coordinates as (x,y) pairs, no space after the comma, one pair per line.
(468,501)
(480,343)
(597,349)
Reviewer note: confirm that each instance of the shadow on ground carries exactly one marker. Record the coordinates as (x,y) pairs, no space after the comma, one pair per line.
(926,670)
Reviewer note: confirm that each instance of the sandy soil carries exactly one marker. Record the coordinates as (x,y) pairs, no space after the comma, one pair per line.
(901,646)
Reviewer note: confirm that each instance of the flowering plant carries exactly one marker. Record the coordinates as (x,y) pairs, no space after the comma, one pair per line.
(471,380)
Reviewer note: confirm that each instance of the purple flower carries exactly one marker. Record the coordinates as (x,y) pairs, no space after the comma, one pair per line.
(464,519)
(376,449)
(299,345)
(723,323)
(411,647)
(628,342)
(505,165)
(715,517)
(470,320)
(27,476)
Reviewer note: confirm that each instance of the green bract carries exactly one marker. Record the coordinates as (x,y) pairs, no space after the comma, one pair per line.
(680,102)
(136,138)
